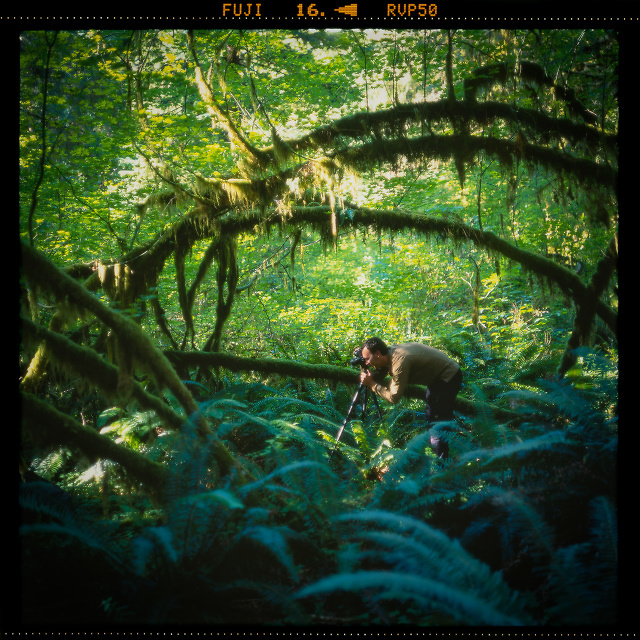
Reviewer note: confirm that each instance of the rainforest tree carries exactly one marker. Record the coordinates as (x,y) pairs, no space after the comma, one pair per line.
(206,212)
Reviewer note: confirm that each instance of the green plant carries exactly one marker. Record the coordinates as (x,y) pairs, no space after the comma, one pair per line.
(406,571)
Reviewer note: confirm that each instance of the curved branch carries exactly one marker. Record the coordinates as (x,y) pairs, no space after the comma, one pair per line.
(396,119)
(468,146)
(49,426)
(258,157)
(87,364)
(192,227)
(567,280)
(296,369)
(227,274)
(586,311)
(40,270)
(179,260)
(395,220)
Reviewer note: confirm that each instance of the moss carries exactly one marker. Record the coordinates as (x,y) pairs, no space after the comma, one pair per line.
(37,369)
(586,311)
(296,369)
(535,123)
(91,369)
(48,426)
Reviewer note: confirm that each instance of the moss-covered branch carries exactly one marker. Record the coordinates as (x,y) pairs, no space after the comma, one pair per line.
(48,426)
(568,281)
(253,155)
(296,369)
(192,226)
(41,271)
(449,147)
(87,365)
(394,121)
(227,275)
(585,314)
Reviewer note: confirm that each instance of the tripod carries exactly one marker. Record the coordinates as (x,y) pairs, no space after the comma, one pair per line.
(362,390)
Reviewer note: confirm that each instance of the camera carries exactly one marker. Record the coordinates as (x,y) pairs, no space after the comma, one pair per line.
(358,359)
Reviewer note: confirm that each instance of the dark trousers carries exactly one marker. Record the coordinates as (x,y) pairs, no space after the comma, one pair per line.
(440,400)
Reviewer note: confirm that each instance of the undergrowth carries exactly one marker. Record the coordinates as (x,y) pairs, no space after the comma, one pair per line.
(519,527)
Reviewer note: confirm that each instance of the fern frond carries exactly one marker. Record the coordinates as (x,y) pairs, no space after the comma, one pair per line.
(75,537)
(519,454)
(275,541)
(197,519)
(525,520)
(44,498)
(583,578)
(155,544)
(412,459)
(430,595)
(285,405)
(217,408)
(50,464)
(289,469)
(604,529)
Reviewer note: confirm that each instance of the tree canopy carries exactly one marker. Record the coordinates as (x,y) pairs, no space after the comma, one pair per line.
(211,221)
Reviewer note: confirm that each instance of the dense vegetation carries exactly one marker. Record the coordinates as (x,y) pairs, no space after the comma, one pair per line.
(212,221)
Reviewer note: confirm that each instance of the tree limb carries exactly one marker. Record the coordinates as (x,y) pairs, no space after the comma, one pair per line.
(192,227)
(39,269)
(48,426)
(89,366)
(296,369)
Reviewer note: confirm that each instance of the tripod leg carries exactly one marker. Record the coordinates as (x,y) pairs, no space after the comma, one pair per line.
(375,401)
(348,416)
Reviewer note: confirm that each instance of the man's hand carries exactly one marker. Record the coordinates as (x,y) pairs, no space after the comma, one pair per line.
(366,378)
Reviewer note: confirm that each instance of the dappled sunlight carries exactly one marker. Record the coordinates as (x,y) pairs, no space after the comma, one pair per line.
(213,221)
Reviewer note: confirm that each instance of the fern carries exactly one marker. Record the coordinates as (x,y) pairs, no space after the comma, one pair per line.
(85,558)
(154,550)
(583,579)
(275,541)
(425,594)
(408,561)
(50,465)
(386,533)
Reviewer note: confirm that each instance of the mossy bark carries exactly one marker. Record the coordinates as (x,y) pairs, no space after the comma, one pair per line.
(586,309)
(39,269)
(48,426)
(94,371)
(296,369)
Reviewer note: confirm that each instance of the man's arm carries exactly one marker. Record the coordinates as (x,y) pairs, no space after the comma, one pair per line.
(393,391)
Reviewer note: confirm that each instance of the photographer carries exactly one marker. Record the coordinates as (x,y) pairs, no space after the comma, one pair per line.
(415,363)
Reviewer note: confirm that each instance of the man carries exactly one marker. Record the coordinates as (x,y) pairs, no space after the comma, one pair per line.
(415,363)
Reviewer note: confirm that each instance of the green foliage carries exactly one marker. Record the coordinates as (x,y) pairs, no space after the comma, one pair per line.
(137,179)
(399,559)
(518,528)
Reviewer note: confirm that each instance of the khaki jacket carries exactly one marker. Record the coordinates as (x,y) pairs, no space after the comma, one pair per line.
(415,363)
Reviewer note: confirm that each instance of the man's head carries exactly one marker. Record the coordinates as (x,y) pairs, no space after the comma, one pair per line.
(374,352)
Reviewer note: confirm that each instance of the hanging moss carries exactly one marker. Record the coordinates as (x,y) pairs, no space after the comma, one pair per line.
(36,372)
(536,124)
(42,270)
(85,365)
(586,310)
(465,148)
(255,160)
(568,282)
(282,152)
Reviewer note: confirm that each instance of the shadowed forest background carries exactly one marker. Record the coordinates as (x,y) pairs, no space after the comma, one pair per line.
(212,221)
